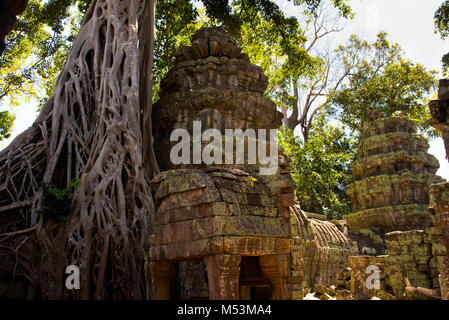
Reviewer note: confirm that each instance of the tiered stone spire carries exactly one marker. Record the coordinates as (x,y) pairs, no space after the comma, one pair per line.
(215,83)
(392,176)
(229,220)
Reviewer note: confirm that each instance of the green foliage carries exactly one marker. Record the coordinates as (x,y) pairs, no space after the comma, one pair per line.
(383,81)
(57,202)
(6,121)
(260,27)
(176,22)
(271,39)
(281,62)
(441,20)
(39,44)
(321,167)
(341,5)
(37,48)
(35,53)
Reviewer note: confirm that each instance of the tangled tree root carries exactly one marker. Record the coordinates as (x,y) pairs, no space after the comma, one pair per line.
(89,130)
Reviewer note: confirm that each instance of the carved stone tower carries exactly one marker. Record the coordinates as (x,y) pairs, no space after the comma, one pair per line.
(439,193)
(215,83)
(392,176)
(222,230)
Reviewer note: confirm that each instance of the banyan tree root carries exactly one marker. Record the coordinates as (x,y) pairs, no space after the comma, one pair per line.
(89,131)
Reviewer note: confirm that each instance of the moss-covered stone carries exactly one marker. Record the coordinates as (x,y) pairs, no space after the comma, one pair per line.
(392,177)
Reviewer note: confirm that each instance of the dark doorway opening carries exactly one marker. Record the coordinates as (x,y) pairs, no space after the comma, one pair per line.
(253,284)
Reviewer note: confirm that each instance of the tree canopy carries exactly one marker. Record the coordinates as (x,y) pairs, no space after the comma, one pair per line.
(385,81)
(441,19)
(38,46)
(321,166)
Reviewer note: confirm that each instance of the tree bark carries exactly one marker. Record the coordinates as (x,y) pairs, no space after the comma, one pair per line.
(91,129)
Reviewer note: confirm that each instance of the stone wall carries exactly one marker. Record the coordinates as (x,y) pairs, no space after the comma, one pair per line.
(412,260)
(439,208)
(417,253)
(323,248)
(439,193)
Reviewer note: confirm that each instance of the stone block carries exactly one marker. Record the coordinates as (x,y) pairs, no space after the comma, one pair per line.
(383,295)
(255,246)
(182,183)
(286,200)
(420,293)
(421,250)
(344,295)
(438,249)
(422,259)
(190,199)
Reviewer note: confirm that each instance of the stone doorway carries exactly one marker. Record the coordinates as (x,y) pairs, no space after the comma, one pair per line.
(221,277)
(254,285)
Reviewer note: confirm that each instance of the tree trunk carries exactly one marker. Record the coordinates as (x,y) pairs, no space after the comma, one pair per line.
(90,129)
(9,10)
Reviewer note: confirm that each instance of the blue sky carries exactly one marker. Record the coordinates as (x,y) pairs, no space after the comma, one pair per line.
(408,22)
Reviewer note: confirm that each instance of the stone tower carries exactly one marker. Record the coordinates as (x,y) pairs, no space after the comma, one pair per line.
(439,193)
(392,176)
(222,230)
(227,231)
(215,83)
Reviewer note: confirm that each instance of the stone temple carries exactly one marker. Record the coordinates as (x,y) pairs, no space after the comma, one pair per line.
(439,193)
(392,176)
(226,231)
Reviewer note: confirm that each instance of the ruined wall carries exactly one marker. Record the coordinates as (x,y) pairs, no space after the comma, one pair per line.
(322,247)
(412,260)
(417,253)
(439,208)
(439,193)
